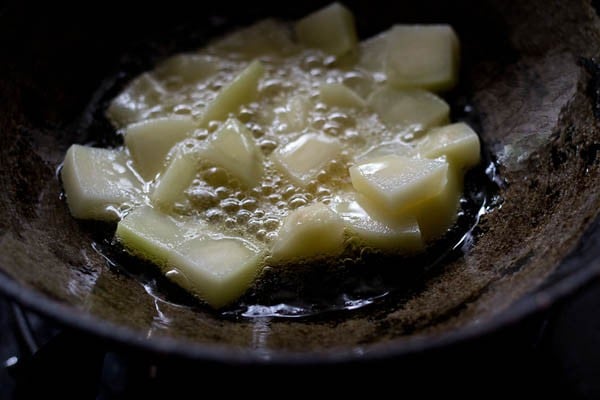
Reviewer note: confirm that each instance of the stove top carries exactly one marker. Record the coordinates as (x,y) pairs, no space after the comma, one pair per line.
(555,354)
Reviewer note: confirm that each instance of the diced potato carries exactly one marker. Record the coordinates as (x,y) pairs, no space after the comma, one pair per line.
(268,37)
(97,182)
(233,148)
(188,68)
(309,232)
(372,52)
(141,94)
(422,56)
(336,94)
(457,142)
(396,183)
(295,114)
(438,213)
(330,29)
(177,177)
(216,270)
(394,147)
(303,158)
(412,108)
(394,234)
(150,141)
(149,234)
(242,90)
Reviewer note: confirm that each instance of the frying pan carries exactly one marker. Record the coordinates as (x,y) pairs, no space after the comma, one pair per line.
(529,75)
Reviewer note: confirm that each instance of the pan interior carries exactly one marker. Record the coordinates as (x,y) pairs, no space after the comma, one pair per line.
(528,72)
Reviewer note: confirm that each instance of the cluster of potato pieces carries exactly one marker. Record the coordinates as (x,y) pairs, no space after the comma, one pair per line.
(393,194)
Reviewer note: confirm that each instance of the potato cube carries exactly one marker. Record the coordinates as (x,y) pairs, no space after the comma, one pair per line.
(149,142)
(149,234)
(97,182)
(303,158)
(336,94)
(188,68)
(264,38)
(307,233)
(330,29)
(436,214)
(372,53)
(175,180)
(140,95)
(457,142)
(234,149)
(242,90)
(396,183)
(422,56)
(392,234)
(393,147)
(218,270)
(413,108)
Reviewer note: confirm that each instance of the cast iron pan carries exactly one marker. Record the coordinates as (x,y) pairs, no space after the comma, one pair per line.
(529,84)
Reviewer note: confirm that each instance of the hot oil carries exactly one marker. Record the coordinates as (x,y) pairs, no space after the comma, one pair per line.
(357,279)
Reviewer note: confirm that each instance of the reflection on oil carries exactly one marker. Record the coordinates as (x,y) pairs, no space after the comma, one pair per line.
(261,331)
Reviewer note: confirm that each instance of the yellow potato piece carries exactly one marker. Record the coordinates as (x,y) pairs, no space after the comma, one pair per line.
(422,56)
(392,147)
(413,108)
(438,213)
(97,182)
(330,29)
(336,94)
(131,105)
(149,234)
(303,158)
(372,53)
(309,232)
(264,38)
(393,234)
(149,141)
(177,177)
(457,142)
(294,117)
(242,90)
(234,149)
(396,183)
(218,270)
(188,68)
(215,268)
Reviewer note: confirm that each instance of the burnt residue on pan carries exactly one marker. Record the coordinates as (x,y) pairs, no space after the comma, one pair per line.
(527,73)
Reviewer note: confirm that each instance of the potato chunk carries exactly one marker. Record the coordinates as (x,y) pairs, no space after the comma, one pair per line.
(303,158)
(97,182)
(132,104)
(436,214)
(150,141)
(394,234)
(413,108)
(396,183)
(309,232)
(218,270)
(187,68)
(330,29)
(233,148)
(149,234)
(422,56)
(177,177)
(336,94)
(458,142)
(242,90)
